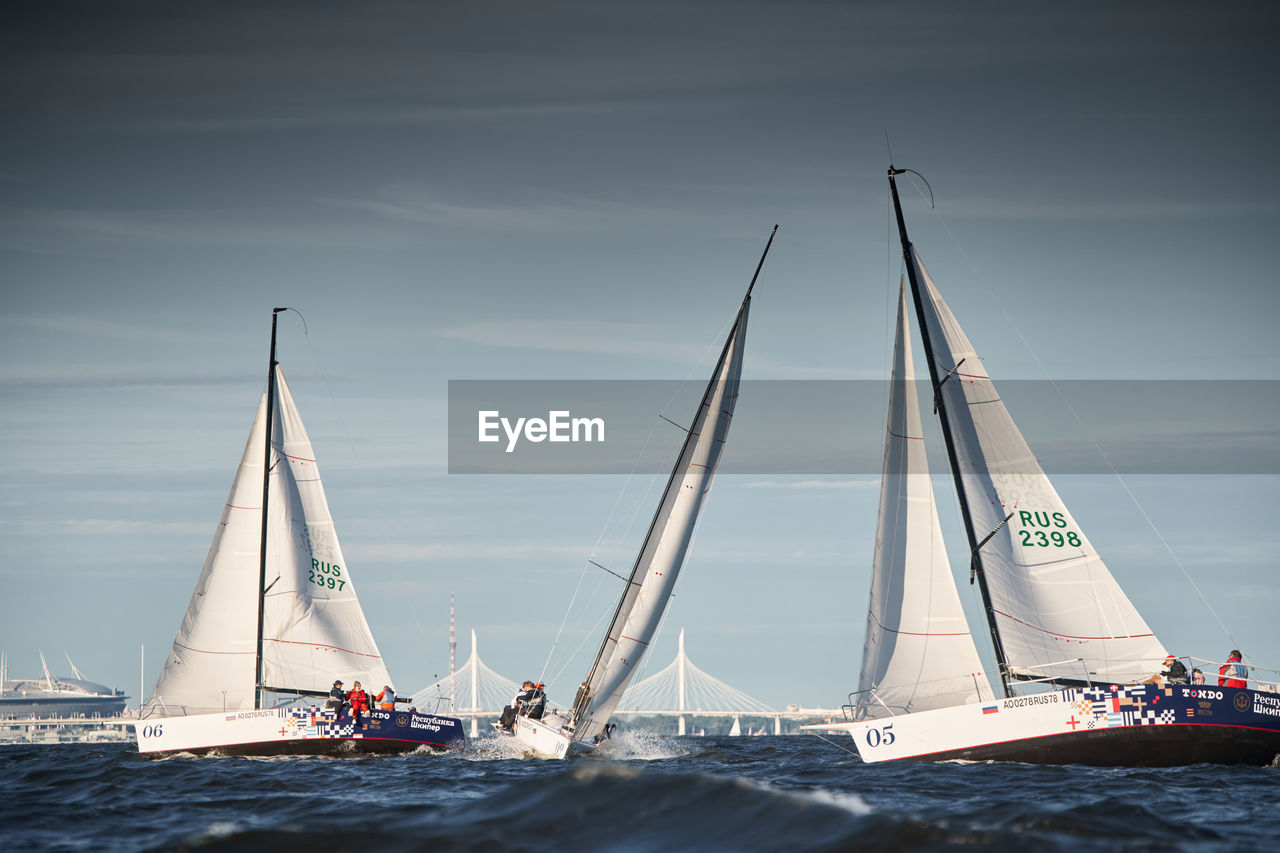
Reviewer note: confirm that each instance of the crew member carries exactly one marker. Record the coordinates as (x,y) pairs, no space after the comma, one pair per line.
(509,712)
(1233,673)
(536,704)
(1175,672)
(359,701)
(337,698)
(387,698)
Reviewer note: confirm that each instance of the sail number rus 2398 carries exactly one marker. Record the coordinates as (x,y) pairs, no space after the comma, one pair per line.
(1042,538)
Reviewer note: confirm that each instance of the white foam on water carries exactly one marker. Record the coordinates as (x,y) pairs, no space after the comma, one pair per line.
(851,803)
(494,748)
(220,829)
(630,745)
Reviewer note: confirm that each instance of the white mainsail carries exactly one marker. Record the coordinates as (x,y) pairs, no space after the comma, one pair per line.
(663,552)
(1059,611)
(918,653)
(314,630)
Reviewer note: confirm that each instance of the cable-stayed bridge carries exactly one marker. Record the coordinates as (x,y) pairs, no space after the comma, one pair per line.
(473,690)
(680,690)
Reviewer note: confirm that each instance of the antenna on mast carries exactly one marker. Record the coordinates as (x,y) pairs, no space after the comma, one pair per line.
(453,649)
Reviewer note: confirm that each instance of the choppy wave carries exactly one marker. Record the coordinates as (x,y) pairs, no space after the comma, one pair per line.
(641,792)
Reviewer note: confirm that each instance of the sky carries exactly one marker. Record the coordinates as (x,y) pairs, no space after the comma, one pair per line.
(567,191)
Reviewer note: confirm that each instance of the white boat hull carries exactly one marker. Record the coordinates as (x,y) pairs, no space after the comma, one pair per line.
(298,731)
(541,738)
(1139,725)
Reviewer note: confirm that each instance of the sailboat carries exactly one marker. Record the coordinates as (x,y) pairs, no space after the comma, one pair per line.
(1056,616)
(275,617)
(735,730)
(648,589)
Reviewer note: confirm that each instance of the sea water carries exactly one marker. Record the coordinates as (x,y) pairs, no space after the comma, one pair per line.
(638,793)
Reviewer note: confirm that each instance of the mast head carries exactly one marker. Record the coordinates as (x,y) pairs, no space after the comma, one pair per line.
(760,265)
(893,171)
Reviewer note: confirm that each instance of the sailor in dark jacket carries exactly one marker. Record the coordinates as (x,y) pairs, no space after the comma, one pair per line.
(1175,672)
(337,698)
(536,704)
(509,712)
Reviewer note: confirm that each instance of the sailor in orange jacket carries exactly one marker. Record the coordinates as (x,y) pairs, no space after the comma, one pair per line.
(386,699)
(1233,673)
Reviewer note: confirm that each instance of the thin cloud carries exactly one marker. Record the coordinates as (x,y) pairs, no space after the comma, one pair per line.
(536,211)
(605,338)
(24,377)
(816,485)
(82,326)
(70,230)
(324,116)
(636,340)
(103,527)
(393,552)
(1060,209)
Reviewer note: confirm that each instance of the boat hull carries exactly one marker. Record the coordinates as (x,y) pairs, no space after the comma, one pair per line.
(1107,726)
(298,731)
(540,738)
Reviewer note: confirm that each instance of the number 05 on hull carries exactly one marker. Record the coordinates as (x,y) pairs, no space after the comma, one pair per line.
(1144,725)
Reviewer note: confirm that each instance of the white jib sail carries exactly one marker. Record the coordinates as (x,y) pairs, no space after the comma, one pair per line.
(314,630)
(918,653)
(1059,611)
(662,555)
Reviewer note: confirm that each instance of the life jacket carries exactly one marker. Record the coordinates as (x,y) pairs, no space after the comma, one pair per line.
(387,699)
(1233,674)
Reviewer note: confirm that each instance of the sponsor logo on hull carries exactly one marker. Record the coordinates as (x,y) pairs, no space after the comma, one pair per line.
(1246,725)
(299,730)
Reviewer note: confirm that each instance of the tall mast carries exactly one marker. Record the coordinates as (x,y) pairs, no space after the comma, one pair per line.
(583,699)
(266,490)
(940,405)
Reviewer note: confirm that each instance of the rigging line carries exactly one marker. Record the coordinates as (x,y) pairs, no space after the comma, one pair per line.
(890,304)
(836,745)
(588,635)
(324,376)
(595,549)
(1062,396)
(609,570)
(719,336)
(346,434)
(673,423)
(712,346)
